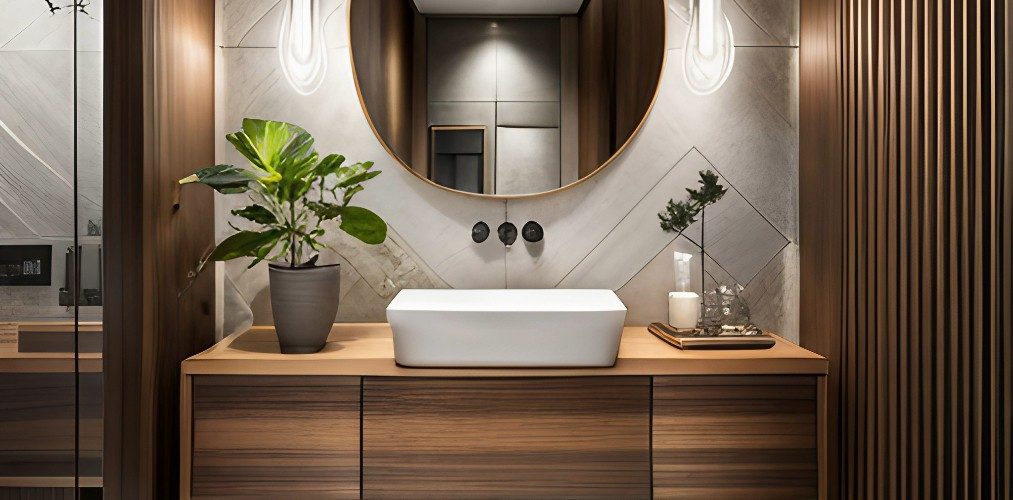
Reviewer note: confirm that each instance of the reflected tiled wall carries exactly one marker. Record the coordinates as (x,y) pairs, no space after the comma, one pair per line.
(601,233)
(37,84)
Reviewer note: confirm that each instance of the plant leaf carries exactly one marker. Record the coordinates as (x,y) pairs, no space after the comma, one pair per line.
(329,165)
(245,244)
(358,178)
(347,172)
(364,225)
(225,179)
(324,210)
(350,192)
(256,213)
(269,139)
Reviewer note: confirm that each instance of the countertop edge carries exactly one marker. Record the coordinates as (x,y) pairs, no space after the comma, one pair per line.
(222,359)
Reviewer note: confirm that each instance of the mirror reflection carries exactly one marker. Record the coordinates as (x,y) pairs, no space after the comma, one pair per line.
(506,98)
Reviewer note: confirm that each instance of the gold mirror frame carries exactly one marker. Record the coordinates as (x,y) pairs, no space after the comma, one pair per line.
(606,163)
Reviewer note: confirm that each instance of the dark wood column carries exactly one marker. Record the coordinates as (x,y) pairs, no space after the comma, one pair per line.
(159,126)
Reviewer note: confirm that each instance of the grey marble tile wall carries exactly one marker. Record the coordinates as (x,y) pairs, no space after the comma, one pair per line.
(603,232)
(37,84)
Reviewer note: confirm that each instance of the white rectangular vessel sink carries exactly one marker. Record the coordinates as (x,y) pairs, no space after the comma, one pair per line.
(506,328)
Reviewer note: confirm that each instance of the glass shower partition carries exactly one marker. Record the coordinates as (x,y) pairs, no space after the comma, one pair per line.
(51,249)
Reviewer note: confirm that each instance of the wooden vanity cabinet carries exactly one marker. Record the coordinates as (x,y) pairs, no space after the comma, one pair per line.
(572,437)
(348,423)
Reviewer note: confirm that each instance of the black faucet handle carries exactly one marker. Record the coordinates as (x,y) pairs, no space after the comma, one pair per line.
(532,232)
(480,232)
(507,233)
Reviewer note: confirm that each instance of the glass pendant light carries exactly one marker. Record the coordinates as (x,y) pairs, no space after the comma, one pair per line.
(710,50)
(301,47)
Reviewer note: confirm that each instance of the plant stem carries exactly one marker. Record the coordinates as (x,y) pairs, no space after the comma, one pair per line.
(703,264)
(292,234)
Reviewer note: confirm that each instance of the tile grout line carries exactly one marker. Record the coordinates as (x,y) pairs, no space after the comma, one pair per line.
(626,216)
(750,203)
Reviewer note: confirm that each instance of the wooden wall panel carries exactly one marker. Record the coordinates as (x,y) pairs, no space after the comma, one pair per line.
(595,80)
(923,345)
(382,39)
(621,48)
(640,50)
(258,436)
(158,127)
(821,209)
(496,438)
(735,437)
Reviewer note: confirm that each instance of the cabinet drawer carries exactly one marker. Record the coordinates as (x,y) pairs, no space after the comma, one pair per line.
(265,436)
(498,438)
(750,437)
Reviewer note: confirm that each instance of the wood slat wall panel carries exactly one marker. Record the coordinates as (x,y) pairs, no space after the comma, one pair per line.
(920,374)
(496,438)
(263,436)
(735,437)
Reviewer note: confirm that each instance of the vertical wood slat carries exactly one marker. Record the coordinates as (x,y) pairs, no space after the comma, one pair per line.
(910,298)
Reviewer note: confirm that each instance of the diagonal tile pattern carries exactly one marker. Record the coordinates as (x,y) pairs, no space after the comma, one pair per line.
(600,233)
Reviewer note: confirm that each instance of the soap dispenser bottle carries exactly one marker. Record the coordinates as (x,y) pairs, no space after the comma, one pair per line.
(683,304)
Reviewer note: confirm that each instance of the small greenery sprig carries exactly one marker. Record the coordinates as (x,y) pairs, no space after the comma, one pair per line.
(293,191)
(679,215)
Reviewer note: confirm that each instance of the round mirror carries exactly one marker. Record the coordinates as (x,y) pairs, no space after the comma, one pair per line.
(506,98)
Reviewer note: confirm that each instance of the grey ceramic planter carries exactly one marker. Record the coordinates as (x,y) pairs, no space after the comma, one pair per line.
(304,301)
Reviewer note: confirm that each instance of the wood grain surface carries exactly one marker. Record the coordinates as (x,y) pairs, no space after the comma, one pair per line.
(158,126)
(37,419)
(906,223)
(621,51)
(735,437)
(367,349)
(281,437)
(506,438)
(37,493)
(382,35)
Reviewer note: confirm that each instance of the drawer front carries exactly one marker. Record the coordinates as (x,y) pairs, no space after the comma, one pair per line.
(750,437)
(500,438)
(266,436)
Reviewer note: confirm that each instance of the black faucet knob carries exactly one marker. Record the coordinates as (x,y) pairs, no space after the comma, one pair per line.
(480,232)
(532,232)
(507,233)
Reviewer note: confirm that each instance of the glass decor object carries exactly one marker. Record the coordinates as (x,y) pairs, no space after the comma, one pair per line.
(710,49)
(301,48)
(724,305)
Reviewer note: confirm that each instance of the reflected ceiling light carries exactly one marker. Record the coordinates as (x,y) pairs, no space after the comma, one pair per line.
(710,50)
(301,47)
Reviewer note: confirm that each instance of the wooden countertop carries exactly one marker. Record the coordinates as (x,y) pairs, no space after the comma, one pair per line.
(367,349)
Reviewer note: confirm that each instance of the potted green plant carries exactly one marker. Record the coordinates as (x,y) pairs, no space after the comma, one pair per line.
(292,192)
